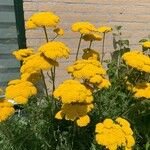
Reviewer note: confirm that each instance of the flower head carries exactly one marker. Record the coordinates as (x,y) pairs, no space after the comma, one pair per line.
(20,91)
(72,91)
(54,50)
(22,54)
(137,60)
(83,27)
(104,29)
(90,70)
(42,19)
(6,110)
(115,134)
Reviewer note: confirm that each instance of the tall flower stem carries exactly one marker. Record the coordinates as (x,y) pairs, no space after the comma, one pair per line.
(54,38)
(52,69)
(90,44)
(43,78)
(103,48)
(78,47)
(46,35)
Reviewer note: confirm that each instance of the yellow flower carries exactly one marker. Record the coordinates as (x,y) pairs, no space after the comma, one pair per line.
(36,63)
(59,31)
(72,91)
(104,29)
(90,54)
(146,44)
(76,112)
(42,19)
(113,135)
(137,60)
(83,27)
(20,91)
(55,50)
(6,110)
(86,69)
(92,37)
(22,54)
(90,70)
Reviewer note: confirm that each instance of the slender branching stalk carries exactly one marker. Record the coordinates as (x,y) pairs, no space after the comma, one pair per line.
(90,44)
(54,38)
(78,47)
(43,78)
(53,68)
(46,35)
(103,48)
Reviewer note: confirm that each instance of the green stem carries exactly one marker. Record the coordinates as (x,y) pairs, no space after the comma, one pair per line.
(90,44)
(53,69)
(53,72)
(78,47)
(46,35)
(54,38)
(43,78)
(103,48)
(118,64)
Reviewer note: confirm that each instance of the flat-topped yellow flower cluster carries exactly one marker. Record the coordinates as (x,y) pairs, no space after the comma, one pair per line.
(54,50)
(83,27)
(90,71)
(20,91)
(137,60)
(40,19)
(116,134)
(77,102)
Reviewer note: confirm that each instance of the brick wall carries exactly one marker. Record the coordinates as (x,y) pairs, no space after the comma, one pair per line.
(133,15)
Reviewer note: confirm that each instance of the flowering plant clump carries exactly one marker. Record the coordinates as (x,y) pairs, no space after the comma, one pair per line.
(75,114)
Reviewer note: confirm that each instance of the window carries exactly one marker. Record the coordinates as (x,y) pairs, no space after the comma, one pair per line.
(12,37)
